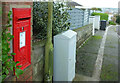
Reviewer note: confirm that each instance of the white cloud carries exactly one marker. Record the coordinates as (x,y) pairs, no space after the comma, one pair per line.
(99,3)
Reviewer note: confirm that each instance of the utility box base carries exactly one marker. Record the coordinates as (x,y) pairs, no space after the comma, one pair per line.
(64,56)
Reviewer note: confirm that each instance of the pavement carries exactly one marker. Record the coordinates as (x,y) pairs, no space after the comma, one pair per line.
(97,59)
(110,60)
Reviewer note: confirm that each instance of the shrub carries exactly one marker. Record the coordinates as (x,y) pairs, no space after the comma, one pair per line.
(112,23)
(8,65)
(103,16)
(40,19)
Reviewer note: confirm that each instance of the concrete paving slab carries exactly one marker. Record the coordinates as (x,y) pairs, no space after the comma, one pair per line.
(83,78)
(85,64)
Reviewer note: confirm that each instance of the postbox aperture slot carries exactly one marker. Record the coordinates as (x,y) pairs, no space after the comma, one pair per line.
(20,19)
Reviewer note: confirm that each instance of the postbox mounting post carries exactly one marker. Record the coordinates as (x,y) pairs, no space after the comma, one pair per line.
(49,46)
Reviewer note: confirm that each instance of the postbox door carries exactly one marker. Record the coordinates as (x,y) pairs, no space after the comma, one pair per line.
(22,36)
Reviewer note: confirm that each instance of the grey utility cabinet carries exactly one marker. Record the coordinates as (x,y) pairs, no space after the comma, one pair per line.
(64,56)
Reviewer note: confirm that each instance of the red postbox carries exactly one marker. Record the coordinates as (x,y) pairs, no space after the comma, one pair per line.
(22,36)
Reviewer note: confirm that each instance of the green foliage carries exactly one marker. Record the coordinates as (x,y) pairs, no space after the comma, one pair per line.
(103,16)
(108,74)
(7,59)
(40,19)
(0,11)
(112,23)
(97,37)
(99,9)
(94,8)
(118,19)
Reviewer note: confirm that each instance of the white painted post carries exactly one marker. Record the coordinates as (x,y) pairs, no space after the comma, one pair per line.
(93,31)
(92,20)
(97,22)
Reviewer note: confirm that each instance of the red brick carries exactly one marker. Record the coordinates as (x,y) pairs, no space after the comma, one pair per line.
(5,8)
(10,78)
(27,73)
(26,76)
(5,3)
(20,79)
(4,18)
(28,3)
(29,79)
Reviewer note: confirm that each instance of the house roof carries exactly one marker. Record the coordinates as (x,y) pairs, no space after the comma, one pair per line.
(73,4)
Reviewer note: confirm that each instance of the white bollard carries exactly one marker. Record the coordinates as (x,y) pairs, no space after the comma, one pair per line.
(92,20)
(93,31)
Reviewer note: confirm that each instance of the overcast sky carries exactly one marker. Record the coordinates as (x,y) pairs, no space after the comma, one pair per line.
(99,3)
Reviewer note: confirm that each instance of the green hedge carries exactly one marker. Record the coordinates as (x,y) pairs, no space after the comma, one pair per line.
(103,16)
(112,23)
(40,19)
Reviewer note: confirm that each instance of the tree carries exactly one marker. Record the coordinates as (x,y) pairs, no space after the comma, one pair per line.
(113,19)
(96,9)
(118,19)
(99,9)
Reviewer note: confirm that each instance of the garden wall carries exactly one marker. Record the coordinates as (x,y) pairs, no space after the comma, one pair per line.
(38,50)
(83,33)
